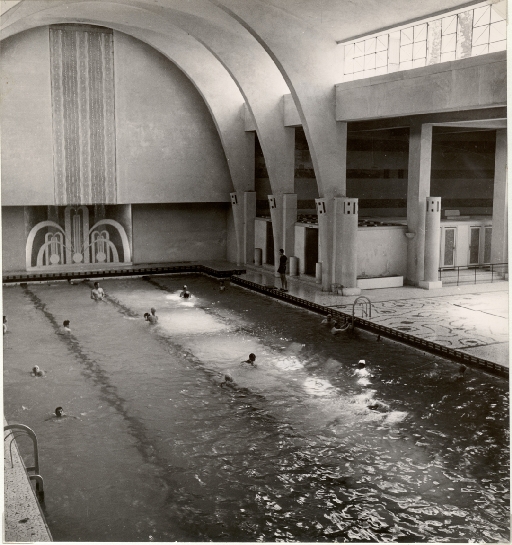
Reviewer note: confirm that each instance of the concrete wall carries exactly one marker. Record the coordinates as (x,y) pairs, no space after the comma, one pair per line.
(26,114)
(13,238)
(179,232)
(166,138)
(476,82)
(168,148)
(381,251)
(300,246)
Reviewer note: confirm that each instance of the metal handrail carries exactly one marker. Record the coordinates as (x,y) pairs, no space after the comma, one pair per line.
(362,300)
(30,432)
(485,267)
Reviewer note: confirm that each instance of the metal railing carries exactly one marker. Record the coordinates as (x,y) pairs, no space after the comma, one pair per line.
(475,274)
(366,308)
(21,430)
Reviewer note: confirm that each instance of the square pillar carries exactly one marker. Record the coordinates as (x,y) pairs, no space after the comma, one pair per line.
(249,218)
(238,217)
(345,245)
(325,210)
(499,239)
(276,215)
(418,189)
(289,221)
(432,244)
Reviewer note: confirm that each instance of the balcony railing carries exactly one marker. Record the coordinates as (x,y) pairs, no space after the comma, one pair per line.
(474,274)
(456,35)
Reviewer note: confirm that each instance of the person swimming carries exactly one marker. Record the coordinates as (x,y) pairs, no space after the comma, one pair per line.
(228,381)
(185,293)
(222,287)
(97,293)
(251,360)
(327,320)
(151,318)
(335,329)
(37,372)
(59,413)
(462,370)
(65,329)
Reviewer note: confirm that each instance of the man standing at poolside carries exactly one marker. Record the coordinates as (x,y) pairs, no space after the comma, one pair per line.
(282,270)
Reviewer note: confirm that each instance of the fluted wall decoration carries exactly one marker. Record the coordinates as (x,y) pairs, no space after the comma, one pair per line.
(82,73)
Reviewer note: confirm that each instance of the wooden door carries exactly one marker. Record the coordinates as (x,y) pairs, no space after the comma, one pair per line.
(448,246)
(269,258)
(474,245)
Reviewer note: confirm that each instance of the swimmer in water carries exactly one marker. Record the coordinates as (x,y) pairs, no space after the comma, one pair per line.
(65,329)
(251,360)
(462,370)
(222,287)
(380,406)
(5,325)
(228,381)
(151,318)
(185,293)
(59,413)
(335,329)
(37,372)
(327,320)
(97,293)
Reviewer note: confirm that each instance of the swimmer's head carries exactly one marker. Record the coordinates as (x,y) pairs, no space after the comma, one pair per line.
(361,364)
(462,369)
(59,411)
(65,323)
(329,317)
(146,314)
(153,310)
(96,284)
(35,369)
(184,287)
(252,357)
(227,378)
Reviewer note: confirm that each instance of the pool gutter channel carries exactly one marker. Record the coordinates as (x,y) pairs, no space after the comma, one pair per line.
(232,275)
(378,329)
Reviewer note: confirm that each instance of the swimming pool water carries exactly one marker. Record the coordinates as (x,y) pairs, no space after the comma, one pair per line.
(292,452)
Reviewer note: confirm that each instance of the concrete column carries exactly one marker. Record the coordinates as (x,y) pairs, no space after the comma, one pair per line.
(499,240)
(249,218)
(418,188)
(345,249)
(432,244)
(238,216)
(289,221)
(325,210)
(276,215)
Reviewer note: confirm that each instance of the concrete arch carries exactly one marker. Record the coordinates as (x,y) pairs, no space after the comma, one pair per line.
(308,62)
(222,97)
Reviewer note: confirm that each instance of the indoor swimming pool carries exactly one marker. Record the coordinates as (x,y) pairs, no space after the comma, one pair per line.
(288,451)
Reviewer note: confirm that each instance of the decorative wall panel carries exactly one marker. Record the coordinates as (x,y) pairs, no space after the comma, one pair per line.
(82,74)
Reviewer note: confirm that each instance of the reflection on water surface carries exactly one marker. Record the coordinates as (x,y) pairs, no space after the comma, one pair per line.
(290,450)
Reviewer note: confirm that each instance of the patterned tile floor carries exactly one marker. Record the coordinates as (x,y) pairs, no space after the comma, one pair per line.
(471,318)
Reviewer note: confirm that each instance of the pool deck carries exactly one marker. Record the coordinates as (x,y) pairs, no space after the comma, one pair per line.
(469,321)
(23,518)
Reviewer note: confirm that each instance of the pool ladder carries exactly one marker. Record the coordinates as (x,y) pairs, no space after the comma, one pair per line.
(20,430)
(366,308)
